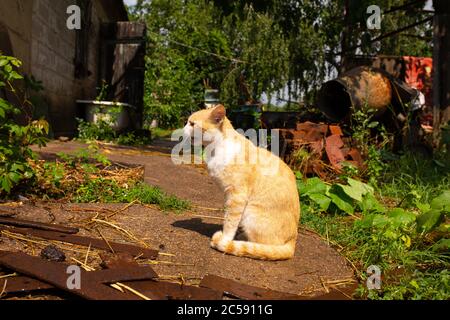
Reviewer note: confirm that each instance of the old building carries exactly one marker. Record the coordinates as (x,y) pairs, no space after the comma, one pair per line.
(72,63)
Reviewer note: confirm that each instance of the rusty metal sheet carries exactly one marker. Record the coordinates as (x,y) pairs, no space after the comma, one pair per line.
(172,291)
(93,284)
(356,156)
(118,260)
(243,291)
(333,146)
(36,225)
(336,130)
(310,132)
(22,284)
(123,274)
(87,241)
(308,125)
(7,214)
(317,146)
(335,141)
(286,133)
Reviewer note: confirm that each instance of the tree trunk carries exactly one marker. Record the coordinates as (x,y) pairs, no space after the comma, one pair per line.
(345,37)
(441,68)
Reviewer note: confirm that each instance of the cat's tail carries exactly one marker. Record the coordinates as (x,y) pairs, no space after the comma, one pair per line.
(261,251)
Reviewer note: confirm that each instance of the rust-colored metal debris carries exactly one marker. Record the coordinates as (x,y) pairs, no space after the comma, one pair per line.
(49,275)
(117,260)
(34,274)
(93,285)
(22,284)
(162,290)
(238,290)
(325,145)
(38,274)
(333,145)
(37,225)
(86,241)
(336,130)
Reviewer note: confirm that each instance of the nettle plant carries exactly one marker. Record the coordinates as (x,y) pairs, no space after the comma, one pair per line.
(15,139)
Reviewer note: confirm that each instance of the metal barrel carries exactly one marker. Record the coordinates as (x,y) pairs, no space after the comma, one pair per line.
(359,88)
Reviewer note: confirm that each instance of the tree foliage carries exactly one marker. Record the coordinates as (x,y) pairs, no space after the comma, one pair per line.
(246,47)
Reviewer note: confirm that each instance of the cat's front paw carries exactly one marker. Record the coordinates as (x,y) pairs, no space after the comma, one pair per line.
(216,239)
(221,242)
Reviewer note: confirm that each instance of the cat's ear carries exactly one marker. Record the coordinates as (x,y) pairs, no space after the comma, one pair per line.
(218,114)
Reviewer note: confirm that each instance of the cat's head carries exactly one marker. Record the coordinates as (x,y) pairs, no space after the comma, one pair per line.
(206,126)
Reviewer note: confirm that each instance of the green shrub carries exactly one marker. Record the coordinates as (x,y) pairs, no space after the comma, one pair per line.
(15,139)
(102,131)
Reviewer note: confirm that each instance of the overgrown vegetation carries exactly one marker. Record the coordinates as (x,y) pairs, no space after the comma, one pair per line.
(88,176)
(106,119)
(102,131)
(398,220)
(15,138)
(401,224)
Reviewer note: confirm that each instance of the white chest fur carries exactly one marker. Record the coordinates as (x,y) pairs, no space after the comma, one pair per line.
(220,154)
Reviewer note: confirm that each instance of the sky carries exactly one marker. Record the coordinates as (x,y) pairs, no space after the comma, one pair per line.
(130,2)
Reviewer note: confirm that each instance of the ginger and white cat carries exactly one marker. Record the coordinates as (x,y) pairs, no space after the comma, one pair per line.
(264,203)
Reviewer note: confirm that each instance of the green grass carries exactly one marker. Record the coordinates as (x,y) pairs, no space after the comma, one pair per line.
(412,265)
(161,133)
(108,191)
(411,177)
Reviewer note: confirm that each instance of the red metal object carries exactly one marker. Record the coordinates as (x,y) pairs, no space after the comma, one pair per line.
(418,75)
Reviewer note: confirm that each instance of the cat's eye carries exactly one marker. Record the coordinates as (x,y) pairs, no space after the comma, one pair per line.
(191,123)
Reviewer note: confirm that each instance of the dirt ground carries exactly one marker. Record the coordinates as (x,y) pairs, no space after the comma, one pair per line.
(183,238)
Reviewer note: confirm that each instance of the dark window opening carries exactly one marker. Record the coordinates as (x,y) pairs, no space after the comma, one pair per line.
(82,40)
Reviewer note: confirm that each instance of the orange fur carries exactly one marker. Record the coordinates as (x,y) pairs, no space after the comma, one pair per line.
(264,202)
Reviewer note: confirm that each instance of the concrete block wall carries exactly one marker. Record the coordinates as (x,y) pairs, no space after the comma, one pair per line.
(40,38)
(15,18)
(53,53)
